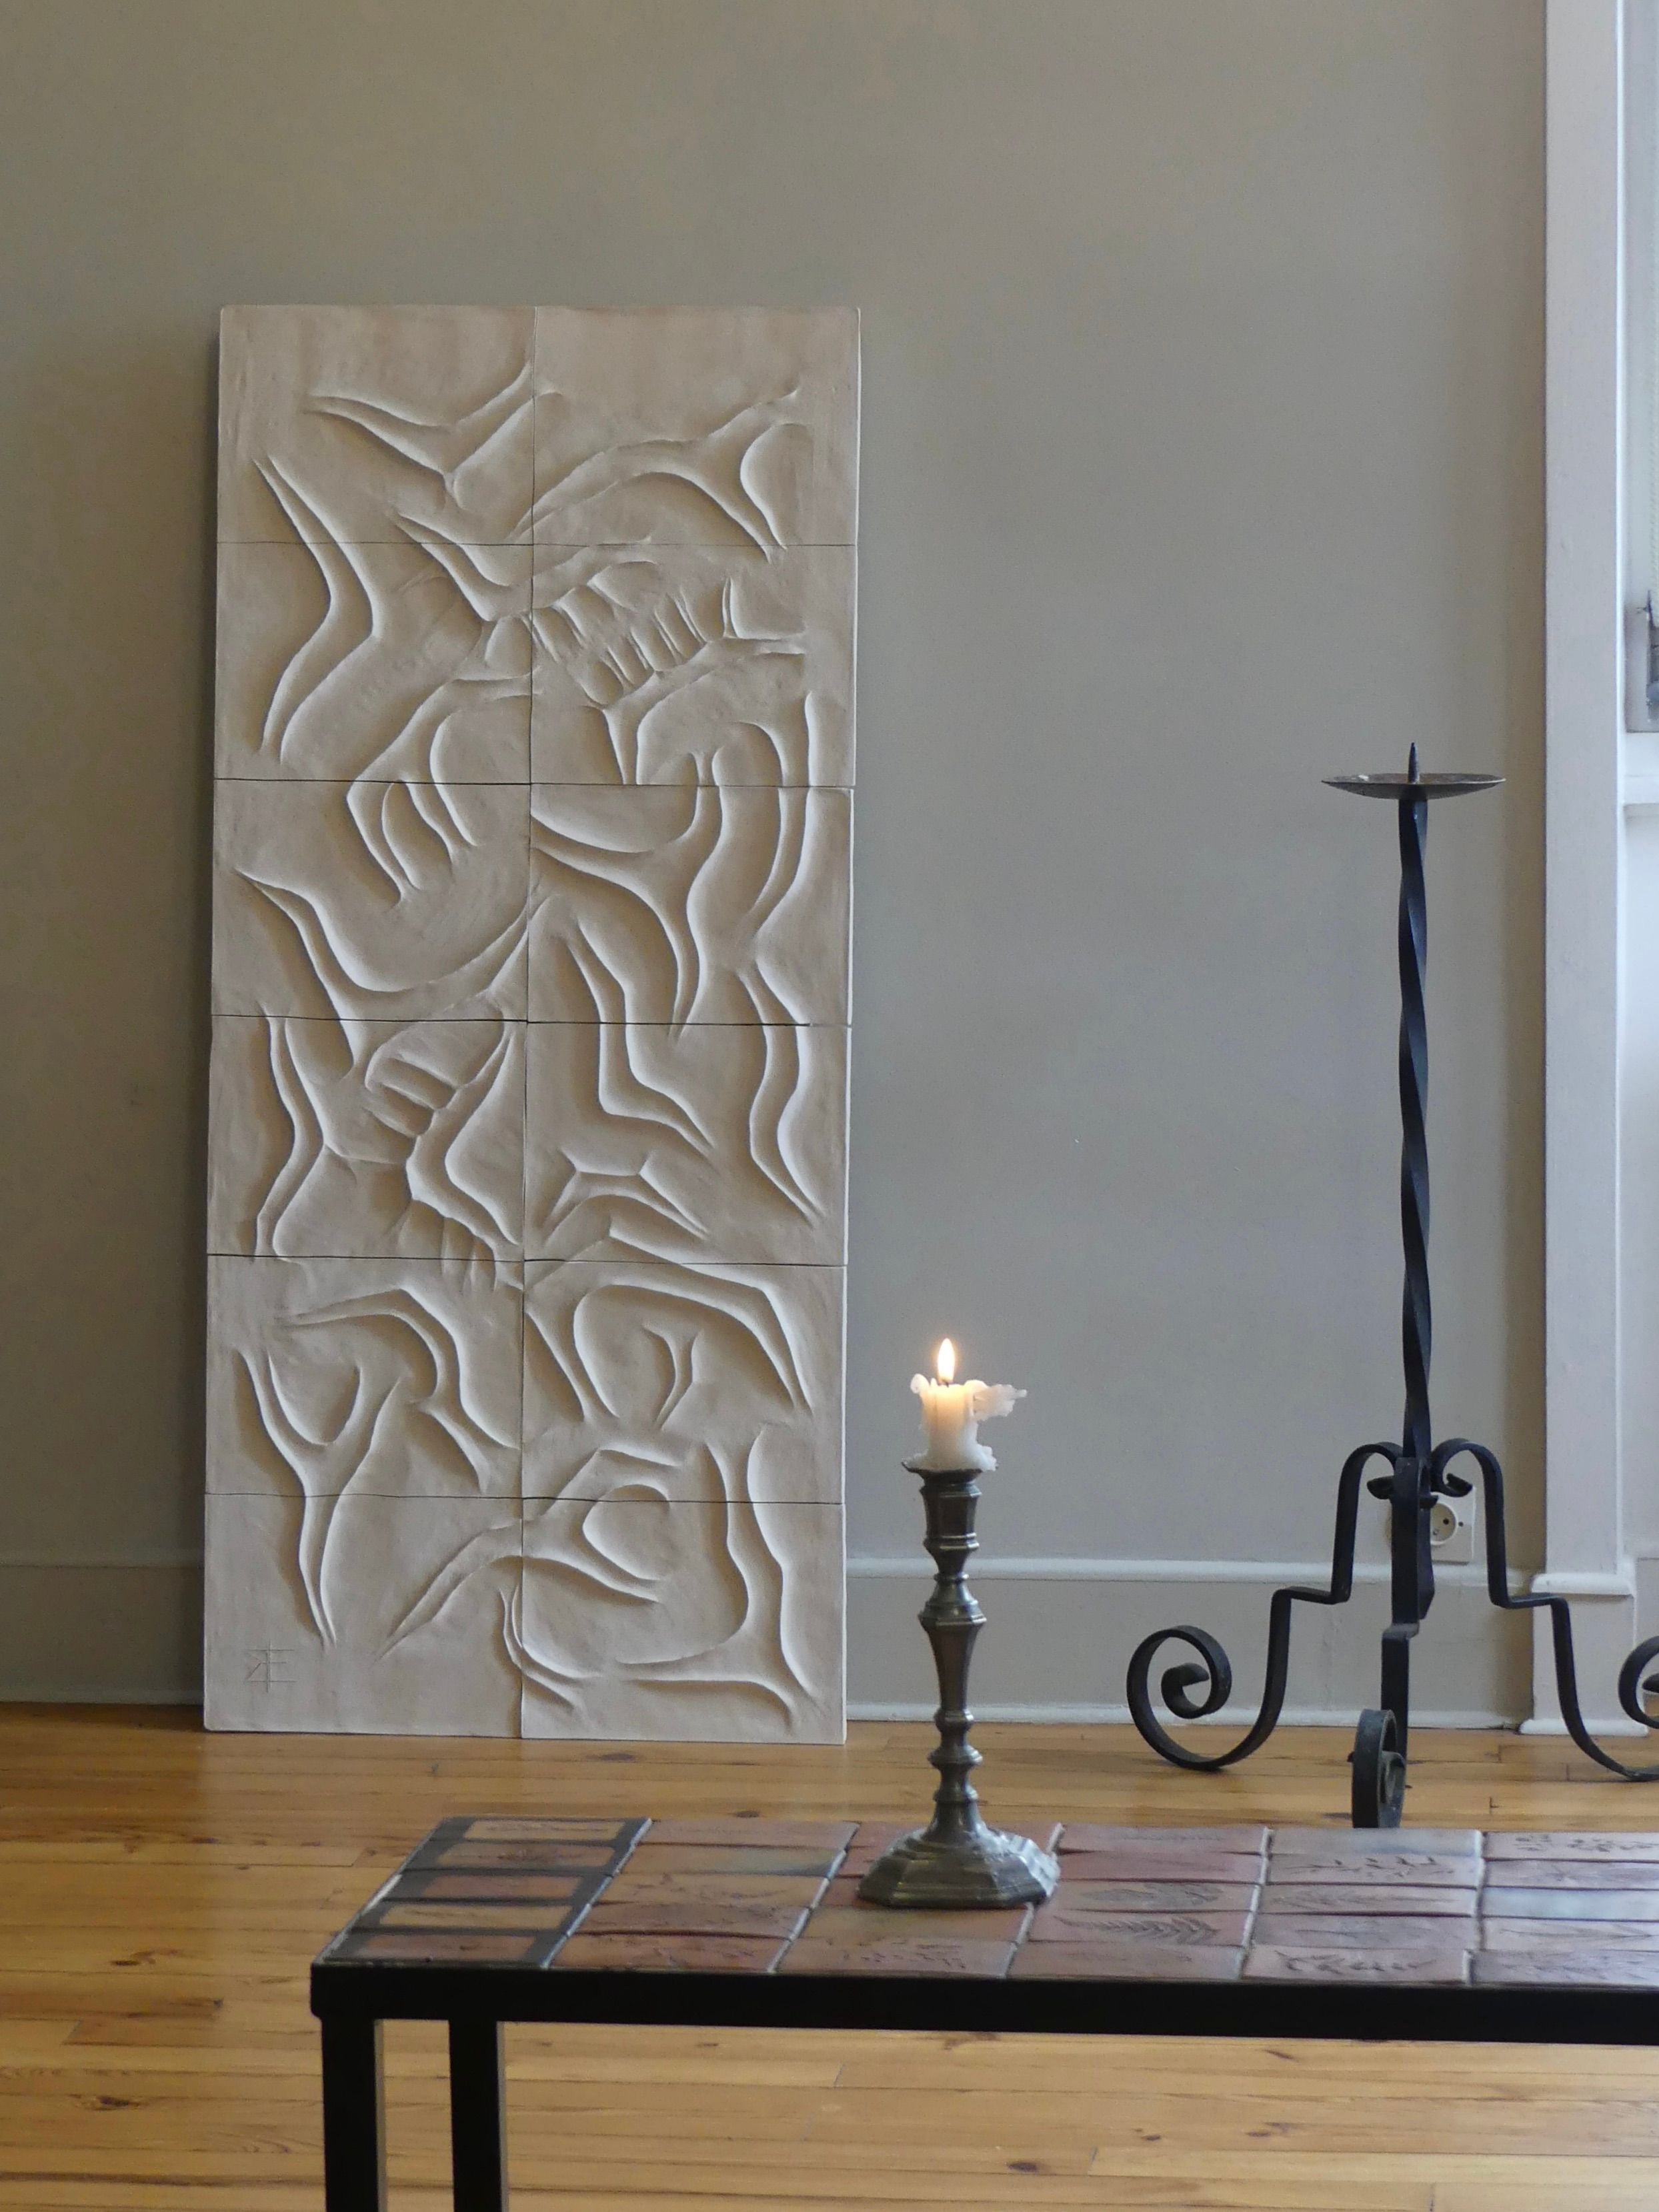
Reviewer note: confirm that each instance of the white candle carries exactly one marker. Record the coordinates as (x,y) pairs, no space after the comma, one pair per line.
(952,1413)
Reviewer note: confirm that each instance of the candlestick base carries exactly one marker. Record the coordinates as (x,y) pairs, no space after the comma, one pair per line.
(984,1867)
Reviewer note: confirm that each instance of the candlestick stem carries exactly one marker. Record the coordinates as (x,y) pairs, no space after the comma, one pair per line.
(956,1861)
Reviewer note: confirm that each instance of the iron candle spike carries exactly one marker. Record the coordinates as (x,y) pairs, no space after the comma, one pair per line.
(956,1861)
(1420,1471)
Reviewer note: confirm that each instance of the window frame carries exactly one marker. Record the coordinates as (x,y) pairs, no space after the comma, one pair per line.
(1593,765)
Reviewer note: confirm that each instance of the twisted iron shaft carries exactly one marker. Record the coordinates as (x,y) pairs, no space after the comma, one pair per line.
(1416,1315)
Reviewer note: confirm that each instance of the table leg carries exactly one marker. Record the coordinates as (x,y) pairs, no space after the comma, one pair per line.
(354,2116)
(477,2116)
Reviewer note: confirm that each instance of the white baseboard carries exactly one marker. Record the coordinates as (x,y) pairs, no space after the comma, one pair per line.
(1606,1725)
(1229,1716)
(1055,1651)
(1060,1632)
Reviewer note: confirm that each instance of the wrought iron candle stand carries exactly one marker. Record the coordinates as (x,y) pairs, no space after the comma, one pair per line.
(955,1860)
(1420,1471)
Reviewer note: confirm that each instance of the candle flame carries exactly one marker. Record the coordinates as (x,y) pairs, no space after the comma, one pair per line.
(944,1366)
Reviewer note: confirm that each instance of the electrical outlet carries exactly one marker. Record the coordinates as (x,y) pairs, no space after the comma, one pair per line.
(1451,1530)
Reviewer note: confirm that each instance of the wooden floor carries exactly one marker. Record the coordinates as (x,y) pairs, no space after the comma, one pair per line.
(164,1891)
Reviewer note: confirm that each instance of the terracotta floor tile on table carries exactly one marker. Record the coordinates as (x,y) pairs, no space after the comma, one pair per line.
(1572,1843)
(901,1954)
(1358,1931)
(1586,1905)
(1414,1870)
(1100,1836)
(642,1885)
(855,1925)
(1570,1873)
(842,1895)
(866,1847)
(1591,1934)
(1369,1897)
(1081,1897)
(1375,1842)
(475,1914)
(408,1947)
(1095,1897)
(1297,1963)
(1569,1966)
(549,1887)
(487,1828)
(1054,1924)
(652,1856)
(1128,1865)
(727,1915)
(774,1835)
(545,1858)
(696,1954)
(1044,1833)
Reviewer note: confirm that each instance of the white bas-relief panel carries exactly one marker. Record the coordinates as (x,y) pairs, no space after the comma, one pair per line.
(398,663)
(404,1632)
(535,750)
(713,1383)
(693,663)
(641,1617)
(330,1379)
(375,425)
(396,900)
(679,1142)
(687,427)
(690,904)
(364,1139)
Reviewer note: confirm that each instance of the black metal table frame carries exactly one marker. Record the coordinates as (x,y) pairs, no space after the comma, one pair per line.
(352,2001)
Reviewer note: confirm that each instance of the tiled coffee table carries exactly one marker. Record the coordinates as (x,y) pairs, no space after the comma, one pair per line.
(1431,1934)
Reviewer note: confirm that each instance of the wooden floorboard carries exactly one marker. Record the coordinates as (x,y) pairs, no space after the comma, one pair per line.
(162,1891)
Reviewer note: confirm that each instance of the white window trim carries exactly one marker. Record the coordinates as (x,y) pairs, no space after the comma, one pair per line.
(1586,1553)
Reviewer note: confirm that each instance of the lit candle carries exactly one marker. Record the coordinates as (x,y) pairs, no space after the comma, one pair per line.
(952,1413)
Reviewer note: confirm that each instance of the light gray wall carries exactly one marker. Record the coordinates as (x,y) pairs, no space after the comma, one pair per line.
(1201,459)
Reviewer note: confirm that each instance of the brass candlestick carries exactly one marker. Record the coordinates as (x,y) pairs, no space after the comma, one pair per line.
(955,1860)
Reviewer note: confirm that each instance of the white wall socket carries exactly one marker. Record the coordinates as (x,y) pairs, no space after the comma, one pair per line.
(1451,1530)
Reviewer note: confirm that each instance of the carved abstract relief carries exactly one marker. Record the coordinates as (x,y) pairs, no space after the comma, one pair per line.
(678,1382)
(675,1139)
(406,662)
(370,898)
(368,1137)
(335,1377)
(527,1159)
(640,1616)
(732,664)
(697,903)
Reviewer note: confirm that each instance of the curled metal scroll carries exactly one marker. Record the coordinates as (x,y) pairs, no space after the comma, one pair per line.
(1633,1675)
(1212,1669)
(1379,1771)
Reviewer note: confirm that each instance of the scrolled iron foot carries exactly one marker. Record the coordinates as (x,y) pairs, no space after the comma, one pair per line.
(1212,1669)
(1176,1687)
(1379,1772)
(1633,1678)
